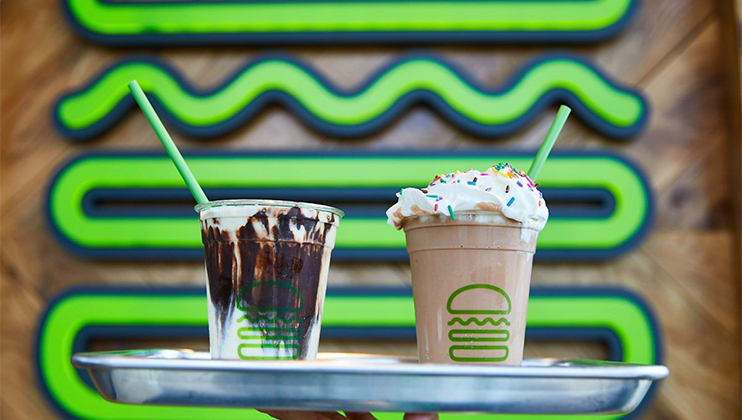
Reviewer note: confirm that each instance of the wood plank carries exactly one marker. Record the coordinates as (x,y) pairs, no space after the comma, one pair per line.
(732,16)
(700,352)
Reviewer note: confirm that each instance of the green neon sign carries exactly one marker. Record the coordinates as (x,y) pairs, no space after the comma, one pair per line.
(612,109)
(178,22)
(624,316)
(564,237)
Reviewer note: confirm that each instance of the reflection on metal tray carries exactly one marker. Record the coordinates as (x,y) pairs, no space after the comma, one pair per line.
(357,382)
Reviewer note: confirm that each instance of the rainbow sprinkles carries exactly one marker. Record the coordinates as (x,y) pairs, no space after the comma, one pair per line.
(500,188)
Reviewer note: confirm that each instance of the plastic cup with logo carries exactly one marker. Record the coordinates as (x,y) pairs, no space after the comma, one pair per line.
(266,268)
(471,237)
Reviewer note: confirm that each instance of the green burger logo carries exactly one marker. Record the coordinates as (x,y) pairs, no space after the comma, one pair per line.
(271,328)
(479,327)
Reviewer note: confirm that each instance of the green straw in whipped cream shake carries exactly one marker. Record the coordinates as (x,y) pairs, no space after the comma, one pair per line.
(548,144)
(167,142)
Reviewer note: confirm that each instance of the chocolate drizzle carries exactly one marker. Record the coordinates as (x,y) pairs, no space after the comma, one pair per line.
(268,272)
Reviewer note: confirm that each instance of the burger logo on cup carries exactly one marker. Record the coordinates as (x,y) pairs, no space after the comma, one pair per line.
(479,327)
(270,322)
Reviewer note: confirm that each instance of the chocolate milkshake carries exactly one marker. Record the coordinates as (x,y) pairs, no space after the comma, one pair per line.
(471,237)
(266,263)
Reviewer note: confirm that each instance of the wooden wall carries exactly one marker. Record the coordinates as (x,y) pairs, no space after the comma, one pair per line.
(687,269)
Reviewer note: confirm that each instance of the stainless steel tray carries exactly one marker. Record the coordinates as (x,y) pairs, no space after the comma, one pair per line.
(356,382)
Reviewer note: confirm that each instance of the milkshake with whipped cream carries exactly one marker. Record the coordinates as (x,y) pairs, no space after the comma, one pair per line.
(471,237)
(266,265)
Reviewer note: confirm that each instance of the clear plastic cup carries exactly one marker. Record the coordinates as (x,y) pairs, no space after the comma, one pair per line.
(266,268)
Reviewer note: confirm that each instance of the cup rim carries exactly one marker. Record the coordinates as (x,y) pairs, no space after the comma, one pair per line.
(267,202)
(445,220)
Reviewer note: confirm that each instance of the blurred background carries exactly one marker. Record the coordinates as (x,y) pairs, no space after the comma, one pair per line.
(655,88)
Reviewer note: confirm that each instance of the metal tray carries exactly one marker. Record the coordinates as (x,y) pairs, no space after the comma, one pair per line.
(356,382)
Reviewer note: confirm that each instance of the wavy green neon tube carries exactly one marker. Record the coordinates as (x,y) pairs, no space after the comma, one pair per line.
(611,105)
(113,18)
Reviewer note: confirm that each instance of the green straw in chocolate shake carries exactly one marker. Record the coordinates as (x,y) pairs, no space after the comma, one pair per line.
(548,143)
(167,142)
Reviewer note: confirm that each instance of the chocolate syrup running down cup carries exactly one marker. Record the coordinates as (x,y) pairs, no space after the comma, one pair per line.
(266,263)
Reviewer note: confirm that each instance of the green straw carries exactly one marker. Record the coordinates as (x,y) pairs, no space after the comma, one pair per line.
(167,142)
(548,144)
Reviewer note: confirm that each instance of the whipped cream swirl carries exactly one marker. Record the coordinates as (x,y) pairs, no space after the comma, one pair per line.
(500,188)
